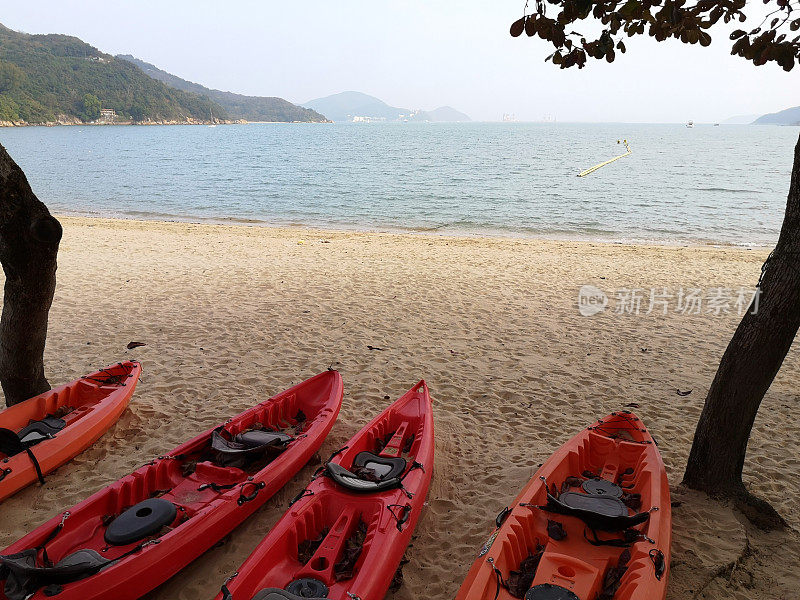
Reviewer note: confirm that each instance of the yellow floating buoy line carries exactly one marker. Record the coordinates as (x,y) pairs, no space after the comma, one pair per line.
(608,162)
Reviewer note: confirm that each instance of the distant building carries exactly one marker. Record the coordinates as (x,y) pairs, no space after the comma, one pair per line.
(108,114)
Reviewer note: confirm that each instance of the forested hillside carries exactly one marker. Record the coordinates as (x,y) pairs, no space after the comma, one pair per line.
(52,77)
(238,106)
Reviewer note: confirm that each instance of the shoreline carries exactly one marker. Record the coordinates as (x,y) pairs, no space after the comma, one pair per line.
(78,123)
(435,233)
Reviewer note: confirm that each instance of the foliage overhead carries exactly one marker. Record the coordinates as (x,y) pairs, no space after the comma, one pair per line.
(775,39)
(47,77)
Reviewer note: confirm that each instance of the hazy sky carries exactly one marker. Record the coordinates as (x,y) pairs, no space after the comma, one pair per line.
(414,54)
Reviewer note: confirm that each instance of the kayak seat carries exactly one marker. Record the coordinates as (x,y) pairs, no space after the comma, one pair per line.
(38,431)
(247,445)
(384,467)
(10,444)
(140,521)
(256,439)
(354,483)
(600,504)
(276,594)
(250,442)
(23,575)
(13,443)
(600,512)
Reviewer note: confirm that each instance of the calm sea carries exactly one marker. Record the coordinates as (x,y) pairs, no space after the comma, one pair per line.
(709,184)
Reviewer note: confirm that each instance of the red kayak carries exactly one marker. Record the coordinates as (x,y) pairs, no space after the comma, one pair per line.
(594,523)
(41,434)
(344,536)
(133,535)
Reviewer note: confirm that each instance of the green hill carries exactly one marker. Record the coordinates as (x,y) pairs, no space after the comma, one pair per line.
(54,77)
(249,108)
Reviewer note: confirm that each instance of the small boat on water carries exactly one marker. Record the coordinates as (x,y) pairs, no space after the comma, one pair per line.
(690,125)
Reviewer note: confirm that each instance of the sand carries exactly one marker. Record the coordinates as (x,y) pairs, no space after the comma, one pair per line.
(233,314)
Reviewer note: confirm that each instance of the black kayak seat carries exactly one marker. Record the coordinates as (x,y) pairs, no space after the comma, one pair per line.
(23,575)
(140,521)
(256,438)
(600,512)
(277,594)
(384,467)
(41,430)
(354,483)
(10,444)
(13,443)
(250,442)
(549,591)
(606,506)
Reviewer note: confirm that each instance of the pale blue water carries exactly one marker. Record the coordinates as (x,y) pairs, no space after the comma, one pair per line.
(709,184)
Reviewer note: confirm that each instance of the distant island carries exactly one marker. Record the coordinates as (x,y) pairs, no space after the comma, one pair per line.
(237,106)
(740,120)
(355,106)
(59,79)
(790,116)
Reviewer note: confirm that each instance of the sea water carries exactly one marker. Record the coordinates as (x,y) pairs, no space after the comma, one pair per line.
(719,185)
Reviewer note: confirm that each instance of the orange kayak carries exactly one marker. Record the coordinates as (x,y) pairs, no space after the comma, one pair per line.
(41,434)
(594,522)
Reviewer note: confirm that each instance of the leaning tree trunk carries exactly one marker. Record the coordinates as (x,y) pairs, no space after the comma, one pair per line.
(29,238)
(749,365)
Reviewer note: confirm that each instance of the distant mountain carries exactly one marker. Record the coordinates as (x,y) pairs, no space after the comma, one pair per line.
(249,108)
(49,78)
(740,120)
(347,106)
(446,114)
(790,116)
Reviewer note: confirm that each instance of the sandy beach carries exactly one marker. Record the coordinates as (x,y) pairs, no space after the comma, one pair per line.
(233,314)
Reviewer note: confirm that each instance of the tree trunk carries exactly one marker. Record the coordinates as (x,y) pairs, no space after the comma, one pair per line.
(29,238)
(748,367)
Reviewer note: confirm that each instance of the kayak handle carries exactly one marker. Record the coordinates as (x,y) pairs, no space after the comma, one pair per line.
(257,487)
(405,513)
(501,518)
(657,556)
(226,593)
